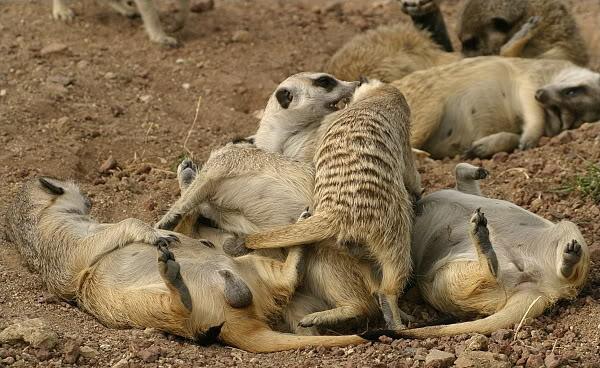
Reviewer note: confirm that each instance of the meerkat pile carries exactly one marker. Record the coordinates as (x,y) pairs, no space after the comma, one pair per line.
(316,222)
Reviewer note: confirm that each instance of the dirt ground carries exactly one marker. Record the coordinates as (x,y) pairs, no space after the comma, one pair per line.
(108,92)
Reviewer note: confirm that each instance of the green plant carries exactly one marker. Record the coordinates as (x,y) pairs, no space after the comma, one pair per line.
(588,183)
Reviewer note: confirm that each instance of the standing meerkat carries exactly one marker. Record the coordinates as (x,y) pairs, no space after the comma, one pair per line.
(364,180)
(132,8)
(521,28)
(113,272)
(478,256)
(481,106)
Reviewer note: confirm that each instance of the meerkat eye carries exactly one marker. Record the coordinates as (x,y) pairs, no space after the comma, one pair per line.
(284,97)
(325,82)
(573,91)
(501,25)
(471,44)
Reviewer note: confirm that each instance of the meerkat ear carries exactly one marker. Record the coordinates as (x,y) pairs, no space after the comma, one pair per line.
(51,188)
(284,97)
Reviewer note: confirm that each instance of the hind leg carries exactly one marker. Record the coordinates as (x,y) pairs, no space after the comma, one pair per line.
(152,23)
(124,7)
(184,10)
(571,257)
(480,236)
(467,177)
(170,272)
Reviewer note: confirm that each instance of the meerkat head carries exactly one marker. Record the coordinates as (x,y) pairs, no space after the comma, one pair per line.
(570,99)
(63,196)
(485,26)
(304,98)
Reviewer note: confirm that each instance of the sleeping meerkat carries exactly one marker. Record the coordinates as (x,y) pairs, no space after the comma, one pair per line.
(131,8)
(242,190)
(365,177)
(521,28)
(191,289)
(479,256)
(481,106)
(296,108)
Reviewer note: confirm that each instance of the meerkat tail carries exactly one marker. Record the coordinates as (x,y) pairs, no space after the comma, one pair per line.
(310,230)
(262,339)
(519,307)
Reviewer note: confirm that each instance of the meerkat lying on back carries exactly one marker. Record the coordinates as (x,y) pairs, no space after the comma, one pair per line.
(113,272)
(524,267)
(522,28)
(131,8)
(481,106)
(364,181)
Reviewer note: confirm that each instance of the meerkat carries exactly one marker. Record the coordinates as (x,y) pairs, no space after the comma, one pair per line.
(521,28)
(191,289)
(132,8)
(295,110)
(478,256)
(364,180)
(484,105)
(242,190)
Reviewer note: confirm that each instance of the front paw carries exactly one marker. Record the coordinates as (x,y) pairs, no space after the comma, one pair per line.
(477,150)
(165,40)
(63,14)
(571,256)
(235,246)
(165,241)
(526,143)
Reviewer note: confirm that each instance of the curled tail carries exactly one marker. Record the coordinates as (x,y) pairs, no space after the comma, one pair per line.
(311,230)
(520,306)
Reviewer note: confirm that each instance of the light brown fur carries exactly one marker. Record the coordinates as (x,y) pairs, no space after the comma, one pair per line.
(111,271)
(505,28)
(365,179)
(485,105)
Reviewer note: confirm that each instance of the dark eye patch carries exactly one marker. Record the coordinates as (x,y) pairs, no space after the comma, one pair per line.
(573,91)
(284,97)
(501,25)
(472,44)
(326,82)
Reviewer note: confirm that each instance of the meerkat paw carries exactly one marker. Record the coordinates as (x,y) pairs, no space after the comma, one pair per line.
(234,246)
(391,313)
(170,272)
(165,40)
(526,143)
(62,13)
(237,292)
(186,173)
(570,258)
(416,8)
(304,215)
(165,241)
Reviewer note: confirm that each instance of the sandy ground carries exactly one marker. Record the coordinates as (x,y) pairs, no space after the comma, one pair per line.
(110,92)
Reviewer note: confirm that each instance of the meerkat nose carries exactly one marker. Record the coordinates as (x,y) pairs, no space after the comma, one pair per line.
(541,95)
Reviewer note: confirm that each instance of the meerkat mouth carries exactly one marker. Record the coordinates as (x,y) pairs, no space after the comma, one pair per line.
(340,104)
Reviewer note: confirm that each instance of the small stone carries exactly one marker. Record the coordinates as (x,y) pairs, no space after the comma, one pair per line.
(123,363)
(60,80)
(501,335)
(534,361)
(82,64)
(536,204)
(179,61)
(53,48)
(144,169)
(33,331)
(2,92)
(335,6)
(88,352)
(477,343)
(500,157)
(439,359)
(109,164)
(145,98)
(552,361)
(200,6)
(8,361)
(386,340)
(149,355)
(42,354)
(241,36)
(186,86)
(71,352)
(481,359)
(565,137)
(110,75)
